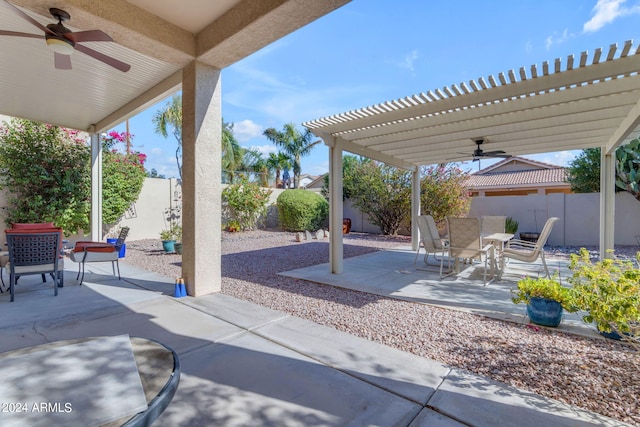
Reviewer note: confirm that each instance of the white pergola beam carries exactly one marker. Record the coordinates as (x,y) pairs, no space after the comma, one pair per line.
(376,155)
(629,124)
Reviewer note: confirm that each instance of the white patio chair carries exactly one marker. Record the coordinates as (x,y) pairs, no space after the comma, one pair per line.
(525,251)
(430,239)
(465,242)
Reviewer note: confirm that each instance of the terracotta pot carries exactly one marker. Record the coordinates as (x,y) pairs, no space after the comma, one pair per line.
(346,225)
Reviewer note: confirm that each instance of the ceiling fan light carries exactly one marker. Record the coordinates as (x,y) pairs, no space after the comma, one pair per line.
(61,46)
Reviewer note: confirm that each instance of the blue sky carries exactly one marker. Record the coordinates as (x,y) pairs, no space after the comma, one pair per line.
(371,51)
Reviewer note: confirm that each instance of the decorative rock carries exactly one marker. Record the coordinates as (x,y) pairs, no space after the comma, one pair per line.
(298,237)
(307,235)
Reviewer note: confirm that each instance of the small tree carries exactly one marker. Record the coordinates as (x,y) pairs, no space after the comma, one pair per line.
(383,193)
(583,173)
(444,192)
(46,171)
(243,204)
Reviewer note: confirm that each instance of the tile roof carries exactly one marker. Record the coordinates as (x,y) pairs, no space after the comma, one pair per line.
(517,159)
(534,177)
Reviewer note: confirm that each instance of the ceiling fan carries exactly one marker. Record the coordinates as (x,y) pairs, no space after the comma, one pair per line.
(64,42)
(478,153)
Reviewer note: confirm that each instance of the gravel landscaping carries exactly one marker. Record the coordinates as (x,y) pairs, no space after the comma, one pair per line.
(595,374)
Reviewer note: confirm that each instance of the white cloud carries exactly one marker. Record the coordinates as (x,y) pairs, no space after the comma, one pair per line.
(409,59)
(264,149)
(528,47)
(555,39)
(157,151)
(246,130)
(607,11)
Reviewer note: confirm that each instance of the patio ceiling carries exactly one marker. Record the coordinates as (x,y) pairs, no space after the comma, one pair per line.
(157,38)
(585,101)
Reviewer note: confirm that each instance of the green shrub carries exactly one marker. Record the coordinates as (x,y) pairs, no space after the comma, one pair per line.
(45,170)
(609,291)
(244,203)
(301,210)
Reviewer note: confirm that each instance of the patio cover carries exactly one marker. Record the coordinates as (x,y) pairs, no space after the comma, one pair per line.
(589,101)
(170,45)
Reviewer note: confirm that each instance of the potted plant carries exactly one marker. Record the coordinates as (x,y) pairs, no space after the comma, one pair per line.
(609,292)
(177,234)
(511,225)
(546,299)
(168,239)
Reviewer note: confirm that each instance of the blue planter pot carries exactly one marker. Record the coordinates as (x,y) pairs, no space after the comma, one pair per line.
(169,245)
(545,312)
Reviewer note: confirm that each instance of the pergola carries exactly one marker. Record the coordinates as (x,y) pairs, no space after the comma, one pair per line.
(170,45)
(593,101)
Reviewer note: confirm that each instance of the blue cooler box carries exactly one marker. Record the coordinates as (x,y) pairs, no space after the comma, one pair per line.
(123,249)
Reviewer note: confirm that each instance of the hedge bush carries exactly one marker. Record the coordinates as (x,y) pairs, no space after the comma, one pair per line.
(301,210)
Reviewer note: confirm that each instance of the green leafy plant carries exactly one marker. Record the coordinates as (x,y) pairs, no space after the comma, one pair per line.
(543,287)
(444,193)
(628,168)
(245,203)
(609,291)
(511,225)
(122,179)
(301,210)
(45,170)
(174,233)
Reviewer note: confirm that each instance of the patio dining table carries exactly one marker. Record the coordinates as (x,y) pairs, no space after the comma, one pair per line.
(102,381)
(498,240)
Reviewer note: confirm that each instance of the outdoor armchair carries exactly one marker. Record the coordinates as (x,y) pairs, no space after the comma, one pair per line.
(34,251)
(465,242)
(429,238)
(526,251)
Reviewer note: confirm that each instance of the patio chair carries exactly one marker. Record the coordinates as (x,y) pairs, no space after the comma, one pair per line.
(429,238)
(32,228)
(465,242)
(34,252)
(490,224)
(526,251)
(87,251)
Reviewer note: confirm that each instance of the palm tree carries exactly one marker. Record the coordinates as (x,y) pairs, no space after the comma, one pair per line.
(252,161)
(170,118)
(294,143)
(231,152)
(277,162)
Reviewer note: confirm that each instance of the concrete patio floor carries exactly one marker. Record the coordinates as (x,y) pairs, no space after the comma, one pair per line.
(245,365)
(392,273)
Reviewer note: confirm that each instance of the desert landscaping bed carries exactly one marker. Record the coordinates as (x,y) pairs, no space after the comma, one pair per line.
(595,374)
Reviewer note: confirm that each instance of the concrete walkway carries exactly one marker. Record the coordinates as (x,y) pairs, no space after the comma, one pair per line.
(245,365)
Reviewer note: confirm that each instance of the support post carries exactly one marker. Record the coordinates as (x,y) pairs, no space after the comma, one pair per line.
(607,202)
(415,209)
(96,186)
(335,205)
(201,172)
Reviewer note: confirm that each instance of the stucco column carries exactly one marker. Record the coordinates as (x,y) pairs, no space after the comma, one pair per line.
(607,201)
(96,186)
(415,208)
(201,173)
(335,206)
